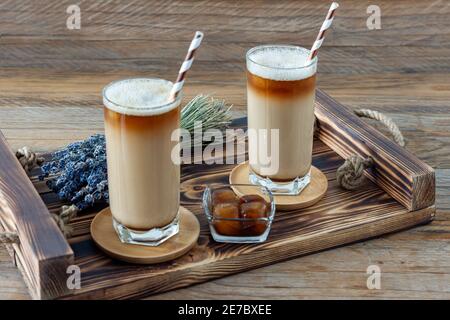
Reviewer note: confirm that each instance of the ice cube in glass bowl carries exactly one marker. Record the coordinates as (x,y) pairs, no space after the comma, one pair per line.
(239,213)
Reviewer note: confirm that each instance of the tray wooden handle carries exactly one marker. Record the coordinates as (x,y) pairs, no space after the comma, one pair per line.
(43,253)
(401,174)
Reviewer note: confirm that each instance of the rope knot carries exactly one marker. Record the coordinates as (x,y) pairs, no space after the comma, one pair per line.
(9,237)
(67,213)
(28,159)
(351,174)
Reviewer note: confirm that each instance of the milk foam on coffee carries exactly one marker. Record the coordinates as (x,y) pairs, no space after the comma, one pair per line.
(280,96)
(281,63)
(140,97)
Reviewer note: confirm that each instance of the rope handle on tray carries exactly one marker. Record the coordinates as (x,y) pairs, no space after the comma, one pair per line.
(350,175)
(67,213)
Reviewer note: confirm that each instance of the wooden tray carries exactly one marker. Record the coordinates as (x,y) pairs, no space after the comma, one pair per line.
(400,195)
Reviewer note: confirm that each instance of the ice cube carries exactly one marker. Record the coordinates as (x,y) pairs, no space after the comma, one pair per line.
(252,198)
(223,196)
(227,211)
(254,210)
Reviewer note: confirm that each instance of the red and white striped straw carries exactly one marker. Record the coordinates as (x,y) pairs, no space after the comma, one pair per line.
(178,85)
(325,26)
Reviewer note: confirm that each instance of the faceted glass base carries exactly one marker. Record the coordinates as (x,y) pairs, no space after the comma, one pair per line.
(153,237)
(291,188)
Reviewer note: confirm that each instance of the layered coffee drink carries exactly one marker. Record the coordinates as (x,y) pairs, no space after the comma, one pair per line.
(280,106)
(143,179)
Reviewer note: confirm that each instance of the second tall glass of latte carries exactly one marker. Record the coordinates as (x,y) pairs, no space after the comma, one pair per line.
(143,179)
(280,101)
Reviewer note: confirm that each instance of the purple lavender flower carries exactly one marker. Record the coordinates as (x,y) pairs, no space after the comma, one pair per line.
(78,172)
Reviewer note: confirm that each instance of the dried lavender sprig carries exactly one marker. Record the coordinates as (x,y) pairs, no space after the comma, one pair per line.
(80,169)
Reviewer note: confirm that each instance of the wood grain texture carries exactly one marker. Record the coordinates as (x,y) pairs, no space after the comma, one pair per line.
(396,170)
(43,253)
(51,80)
(341,217)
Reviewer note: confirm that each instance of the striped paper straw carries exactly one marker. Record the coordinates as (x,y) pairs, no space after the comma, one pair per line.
(178,85)
(325,26)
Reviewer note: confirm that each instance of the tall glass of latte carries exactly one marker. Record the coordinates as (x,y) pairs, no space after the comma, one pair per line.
(280,106)
(143,180)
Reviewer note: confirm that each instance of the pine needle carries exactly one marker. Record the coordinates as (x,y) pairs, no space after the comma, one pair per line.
(212,113)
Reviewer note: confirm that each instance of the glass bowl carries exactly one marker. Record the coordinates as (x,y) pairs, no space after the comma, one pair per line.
(239,213)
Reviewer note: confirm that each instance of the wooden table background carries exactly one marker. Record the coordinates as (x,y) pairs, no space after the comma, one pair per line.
(50,94)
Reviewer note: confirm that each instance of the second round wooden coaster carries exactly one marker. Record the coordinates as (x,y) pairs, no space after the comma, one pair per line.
(308,197)
(105,237)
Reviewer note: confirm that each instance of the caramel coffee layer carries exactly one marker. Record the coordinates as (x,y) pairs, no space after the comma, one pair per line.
(141,123)
(281,89)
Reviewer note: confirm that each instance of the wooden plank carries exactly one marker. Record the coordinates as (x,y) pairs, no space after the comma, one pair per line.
(26,103)
(224,21)
(43,253)
(397,171)
(12,283)
(134,55)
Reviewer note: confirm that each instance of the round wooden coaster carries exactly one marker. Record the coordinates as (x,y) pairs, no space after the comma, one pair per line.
(106,238)
(309,196)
